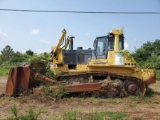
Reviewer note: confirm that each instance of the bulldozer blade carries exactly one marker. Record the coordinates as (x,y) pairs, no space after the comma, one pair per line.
(18,81)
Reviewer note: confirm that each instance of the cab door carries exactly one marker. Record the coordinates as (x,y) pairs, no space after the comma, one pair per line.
(101,48)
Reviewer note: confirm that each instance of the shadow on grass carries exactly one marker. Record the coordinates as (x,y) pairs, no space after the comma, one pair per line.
(91,94)
(150,92)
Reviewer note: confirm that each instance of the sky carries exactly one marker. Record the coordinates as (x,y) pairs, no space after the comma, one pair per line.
(39,31)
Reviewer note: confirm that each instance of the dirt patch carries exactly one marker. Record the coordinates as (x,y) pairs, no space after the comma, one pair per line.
(134,107)
(3,81)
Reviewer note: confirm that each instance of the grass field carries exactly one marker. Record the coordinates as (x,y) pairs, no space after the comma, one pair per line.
(82,108)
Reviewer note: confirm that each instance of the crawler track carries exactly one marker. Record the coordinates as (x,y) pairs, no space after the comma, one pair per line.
(120,85)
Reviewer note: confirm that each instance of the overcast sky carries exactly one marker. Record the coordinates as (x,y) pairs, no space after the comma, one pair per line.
(39,31)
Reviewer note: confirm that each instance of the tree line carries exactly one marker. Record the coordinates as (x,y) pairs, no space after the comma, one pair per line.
(9,57)
(147,56)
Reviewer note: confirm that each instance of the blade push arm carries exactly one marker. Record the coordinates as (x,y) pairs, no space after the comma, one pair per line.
(60,40)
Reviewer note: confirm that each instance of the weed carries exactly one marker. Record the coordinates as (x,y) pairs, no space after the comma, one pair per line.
(59,93)
(97,115)
(14,112)
(31,115)
(77,115)
(62,91)
(115,101)
(49,73)
(117,115)
(49,92)
(71,115)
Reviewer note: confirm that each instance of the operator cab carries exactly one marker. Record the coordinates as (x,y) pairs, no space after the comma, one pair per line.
(103,44)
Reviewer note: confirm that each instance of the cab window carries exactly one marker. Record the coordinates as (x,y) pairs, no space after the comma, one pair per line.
(100,46)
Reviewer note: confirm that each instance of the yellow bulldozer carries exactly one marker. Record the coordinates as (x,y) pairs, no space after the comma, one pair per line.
(107,69)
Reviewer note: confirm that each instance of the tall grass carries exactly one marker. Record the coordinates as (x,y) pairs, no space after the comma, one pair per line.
(4,71)
(5,68)
(157,74)
(30,115)
(106,115)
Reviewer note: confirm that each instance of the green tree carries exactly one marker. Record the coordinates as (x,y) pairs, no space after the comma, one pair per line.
(156,46)
(29,52)
(7,53)
(148,55)
(18,57)
(1,60)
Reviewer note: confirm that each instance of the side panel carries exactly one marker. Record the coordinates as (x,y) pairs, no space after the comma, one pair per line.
(74,57)
(70,57)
